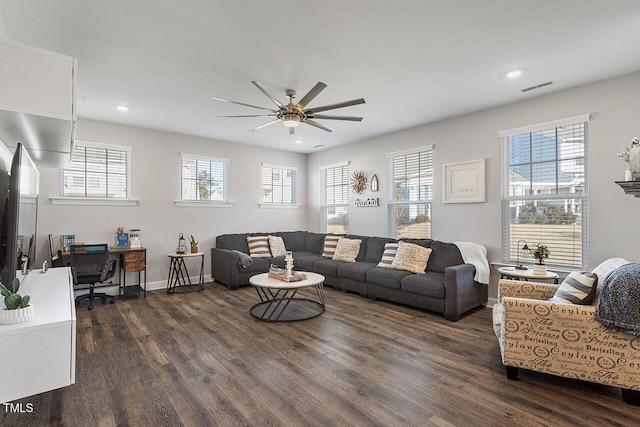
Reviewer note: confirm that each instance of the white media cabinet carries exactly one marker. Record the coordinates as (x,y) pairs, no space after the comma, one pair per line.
(40,355)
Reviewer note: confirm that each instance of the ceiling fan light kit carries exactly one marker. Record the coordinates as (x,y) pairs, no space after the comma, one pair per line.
(291,115)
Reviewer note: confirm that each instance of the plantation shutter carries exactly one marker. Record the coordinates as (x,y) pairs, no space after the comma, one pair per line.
(204,178)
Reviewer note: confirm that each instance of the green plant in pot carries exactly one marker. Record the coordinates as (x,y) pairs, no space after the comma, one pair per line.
(194,243)
(17,309)
(540,253)
(12,299)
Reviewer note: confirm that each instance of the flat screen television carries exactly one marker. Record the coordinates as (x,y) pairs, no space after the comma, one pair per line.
(21,180)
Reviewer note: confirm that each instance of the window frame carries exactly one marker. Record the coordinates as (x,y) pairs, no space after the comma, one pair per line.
(509,252)
(200,202)
(392,204)
(66,199)
(292,188)
(324,203)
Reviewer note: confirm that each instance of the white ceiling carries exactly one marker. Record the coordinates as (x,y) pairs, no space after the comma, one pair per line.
(414,61)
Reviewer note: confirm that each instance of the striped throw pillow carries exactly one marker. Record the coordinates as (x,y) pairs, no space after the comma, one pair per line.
(578,287)
(330,244)
(258,246)
(388,255)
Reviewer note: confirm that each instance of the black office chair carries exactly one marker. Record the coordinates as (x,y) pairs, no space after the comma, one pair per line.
(90,265)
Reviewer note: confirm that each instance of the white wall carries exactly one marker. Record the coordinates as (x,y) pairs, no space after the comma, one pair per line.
(156,184)
(614,106)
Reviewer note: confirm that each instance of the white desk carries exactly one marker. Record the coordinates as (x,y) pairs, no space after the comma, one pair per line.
(40,355)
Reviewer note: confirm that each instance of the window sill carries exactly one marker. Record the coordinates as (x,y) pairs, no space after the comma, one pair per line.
(89,201)
(278,206)
(202,204)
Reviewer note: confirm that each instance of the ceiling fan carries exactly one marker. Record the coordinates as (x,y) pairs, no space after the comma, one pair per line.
(291,115)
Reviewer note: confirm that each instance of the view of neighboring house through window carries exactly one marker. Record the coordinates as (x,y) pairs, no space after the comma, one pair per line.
(544,194)
(411,193)
(204,178)
(97,171)
(334,180)
(278,184)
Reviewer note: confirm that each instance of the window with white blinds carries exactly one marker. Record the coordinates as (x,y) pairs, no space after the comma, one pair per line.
(278,184)
(334,181)
(544,191)
(204,178)
(410,193)
(97,171)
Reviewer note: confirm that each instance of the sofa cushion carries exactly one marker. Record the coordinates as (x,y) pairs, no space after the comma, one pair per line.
(327,267)
(355,271)
(276,245)
(429,284)
(579,287)
(444,255)
(420,242)
(376,247)
(386,277)
(411,257)
(330,244)
(314,242)
(233,241)
(293,240)
(258,246)
(304,261)
(390,250)
(347,250)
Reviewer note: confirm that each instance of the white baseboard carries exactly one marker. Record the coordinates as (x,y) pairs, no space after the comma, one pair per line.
(162,284)
(492,301)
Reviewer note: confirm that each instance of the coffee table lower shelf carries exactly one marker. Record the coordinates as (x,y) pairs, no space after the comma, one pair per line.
(278,301)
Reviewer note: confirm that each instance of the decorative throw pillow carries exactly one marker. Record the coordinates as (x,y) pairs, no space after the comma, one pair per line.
(578,287)
(347,250)
(330,243)
(388,255)
(258,246)
(411,257)
(276,244)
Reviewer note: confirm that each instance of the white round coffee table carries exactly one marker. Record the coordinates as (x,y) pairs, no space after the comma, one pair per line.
(278,302)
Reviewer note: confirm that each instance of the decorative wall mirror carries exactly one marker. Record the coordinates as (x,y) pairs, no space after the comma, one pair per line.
(374,182)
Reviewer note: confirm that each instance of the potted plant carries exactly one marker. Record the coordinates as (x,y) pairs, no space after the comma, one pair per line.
(540,253)
(194,244)
(17,308)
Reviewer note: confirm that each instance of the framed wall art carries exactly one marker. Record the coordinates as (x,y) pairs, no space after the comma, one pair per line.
(464,182)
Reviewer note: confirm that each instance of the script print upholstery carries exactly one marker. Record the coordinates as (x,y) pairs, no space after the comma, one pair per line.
(562,339)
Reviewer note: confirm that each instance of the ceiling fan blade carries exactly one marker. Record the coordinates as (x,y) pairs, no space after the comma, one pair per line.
(334,106)
(250,115)
(266,124)
(325,117)
(266,92)
(242,103)
(318,125)
(319,87)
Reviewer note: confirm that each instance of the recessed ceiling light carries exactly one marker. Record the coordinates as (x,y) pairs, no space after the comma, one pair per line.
(122,107)
(514,73)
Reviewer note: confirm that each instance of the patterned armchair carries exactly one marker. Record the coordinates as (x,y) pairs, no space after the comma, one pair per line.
(564,339)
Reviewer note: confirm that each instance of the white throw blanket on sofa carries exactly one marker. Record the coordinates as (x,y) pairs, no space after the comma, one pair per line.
(475,254)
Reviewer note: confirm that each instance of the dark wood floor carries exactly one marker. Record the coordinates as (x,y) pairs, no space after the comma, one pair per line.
(200,359)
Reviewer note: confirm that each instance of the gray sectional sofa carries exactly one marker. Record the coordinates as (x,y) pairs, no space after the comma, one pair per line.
(447,287)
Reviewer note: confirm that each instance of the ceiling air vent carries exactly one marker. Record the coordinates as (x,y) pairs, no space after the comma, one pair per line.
(527,89)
